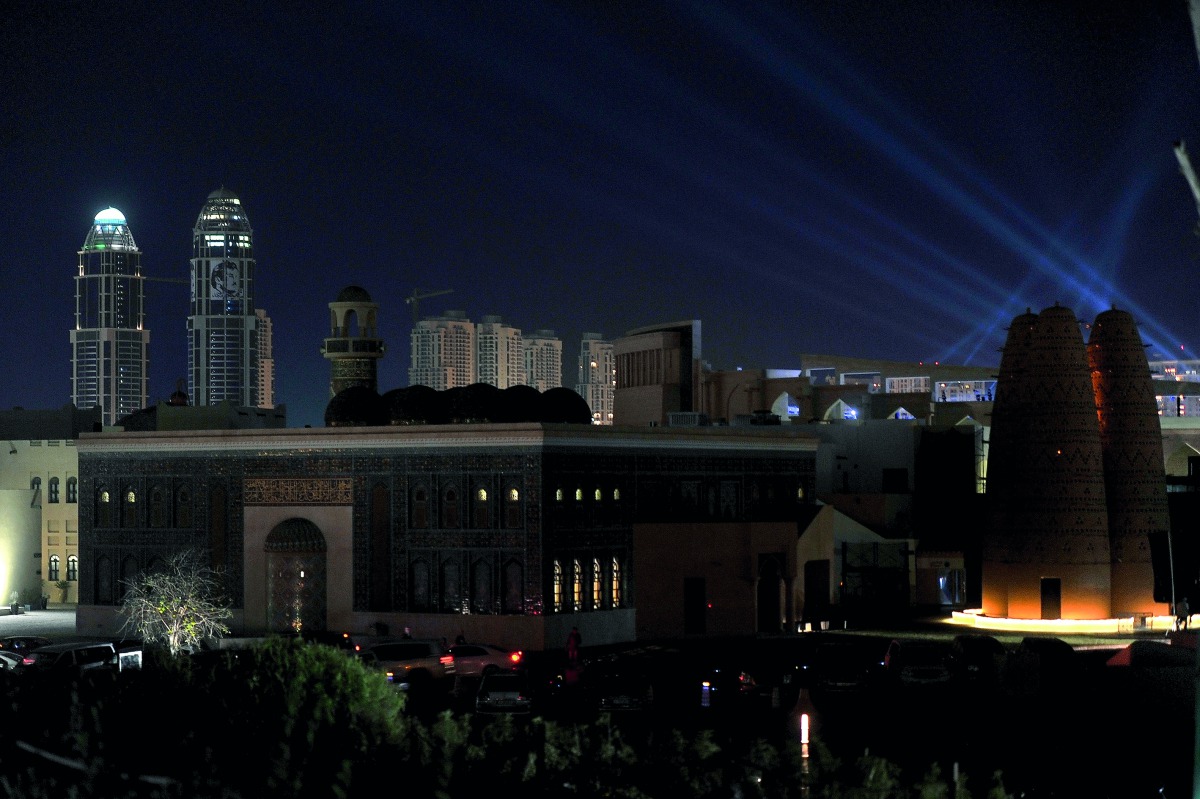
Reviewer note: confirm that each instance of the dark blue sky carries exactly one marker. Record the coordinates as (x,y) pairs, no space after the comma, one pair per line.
(883,179)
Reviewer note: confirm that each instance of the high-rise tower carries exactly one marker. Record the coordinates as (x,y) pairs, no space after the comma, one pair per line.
(223,326)
(110,342)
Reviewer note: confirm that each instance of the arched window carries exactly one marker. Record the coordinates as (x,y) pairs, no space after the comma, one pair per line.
(598,496)
(129,509)
(579,495)
(558,587)
(558,495)
(72,567)
(158,508)
(52,490)
(35,484)
(420,508)
(615,584)
(597,585)
(183,508)
(104,511)
(72,490)
(512,509)
(577,586)
(616,495)
(450,508)
(481,517)
(52,573)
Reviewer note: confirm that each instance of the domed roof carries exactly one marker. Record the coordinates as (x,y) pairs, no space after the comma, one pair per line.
(413,405)
(562,405)
(353,294)
(474,403)
(110,216)
(357,406)
(519,404)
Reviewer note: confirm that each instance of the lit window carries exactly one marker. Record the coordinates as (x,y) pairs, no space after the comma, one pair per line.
(599,496)
(104,497)
(481,495)
(72,567)
(579,495)
(558,587)
(597,584)
(616,494)
(513,495)
(130,497)
(800,492)
(615,590)
(577,586)
(558,495)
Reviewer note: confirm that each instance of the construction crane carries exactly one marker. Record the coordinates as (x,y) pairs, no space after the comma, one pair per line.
(419,295)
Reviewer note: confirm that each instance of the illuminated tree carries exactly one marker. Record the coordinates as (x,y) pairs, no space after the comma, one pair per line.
(178,605)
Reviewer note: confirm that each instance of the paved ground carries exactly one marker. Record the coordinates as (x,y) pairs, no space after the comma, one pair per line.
(56,623)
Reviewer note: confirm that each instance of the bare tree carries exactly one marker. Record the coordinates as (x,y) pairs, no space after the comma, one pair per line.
(179,605)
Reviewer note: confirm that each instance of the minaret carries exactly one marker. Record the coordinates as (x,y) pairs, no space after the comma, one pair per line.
(353,346)
(223,326)
(110,342)
(1134,478)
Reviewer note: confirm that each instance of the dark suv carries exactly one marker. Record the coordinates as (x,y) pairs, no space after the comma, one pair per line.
(70,658)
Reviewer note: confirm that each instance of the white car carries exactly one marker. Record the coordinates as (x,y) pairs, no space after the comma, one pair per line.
(476,660)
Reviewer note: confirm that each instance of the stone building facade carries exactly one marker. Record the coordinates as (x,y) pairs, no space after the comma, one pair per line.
(512,533)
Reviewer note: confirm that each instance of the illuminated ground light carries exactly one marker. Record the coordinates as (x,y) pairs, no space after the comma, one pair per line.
(1127,624)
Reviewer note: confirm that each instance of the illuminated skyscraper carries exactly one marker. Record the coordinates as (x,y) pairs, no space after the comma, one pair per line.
(597,382)
(110,344)
(499,353)
(223,347)
(443,352)
(543,360)
(266,361)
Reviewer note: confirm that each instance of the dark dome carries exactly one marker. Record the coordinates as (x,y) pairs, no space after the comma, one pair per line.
(413,405)
(353,294)
(519,404)
(474,403)
(357,406)
(562,405)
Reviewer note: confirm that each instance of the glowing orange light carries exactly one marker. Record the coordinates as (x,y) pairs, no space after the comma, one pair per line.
(803,728)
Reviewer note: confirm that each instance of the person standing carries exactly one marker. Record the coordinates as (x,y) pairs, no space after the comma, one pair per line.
(574,641)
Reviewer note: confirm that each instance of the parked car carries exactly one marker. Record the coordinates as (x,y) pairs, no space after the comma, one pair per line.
(70,659)
(9,661)
(919,663)
(411,663)
(476,660)
(613,687)
(847,666)
(504,692)
(23,643)
(978,658)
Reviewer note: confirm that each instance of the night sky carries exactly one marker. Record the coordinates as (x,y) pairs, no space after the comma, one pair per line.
(890,180)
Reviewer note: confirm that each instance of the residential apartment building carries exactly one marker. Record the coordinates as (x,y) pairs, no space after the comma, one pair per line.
(597,378)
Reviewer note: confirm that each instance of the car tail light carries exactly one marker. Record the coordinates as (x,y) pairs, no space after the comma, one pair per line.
(447,661)
(515,657)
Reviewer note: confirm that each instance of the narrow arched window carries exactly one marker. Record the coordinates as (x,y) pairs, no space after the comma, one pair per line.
(52,490)
(72,489)
(615,584)
(72,567)
(52,573)
(558,587)
(577,586)
(597,585)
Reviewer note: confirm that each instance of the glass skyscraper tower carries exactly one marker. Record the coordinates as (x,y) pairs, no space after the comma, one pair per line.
(110,343)
(223,342)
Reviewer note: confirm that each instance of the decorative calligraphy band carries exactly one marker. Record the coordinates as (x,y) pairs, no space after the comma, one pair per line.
(299,491)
